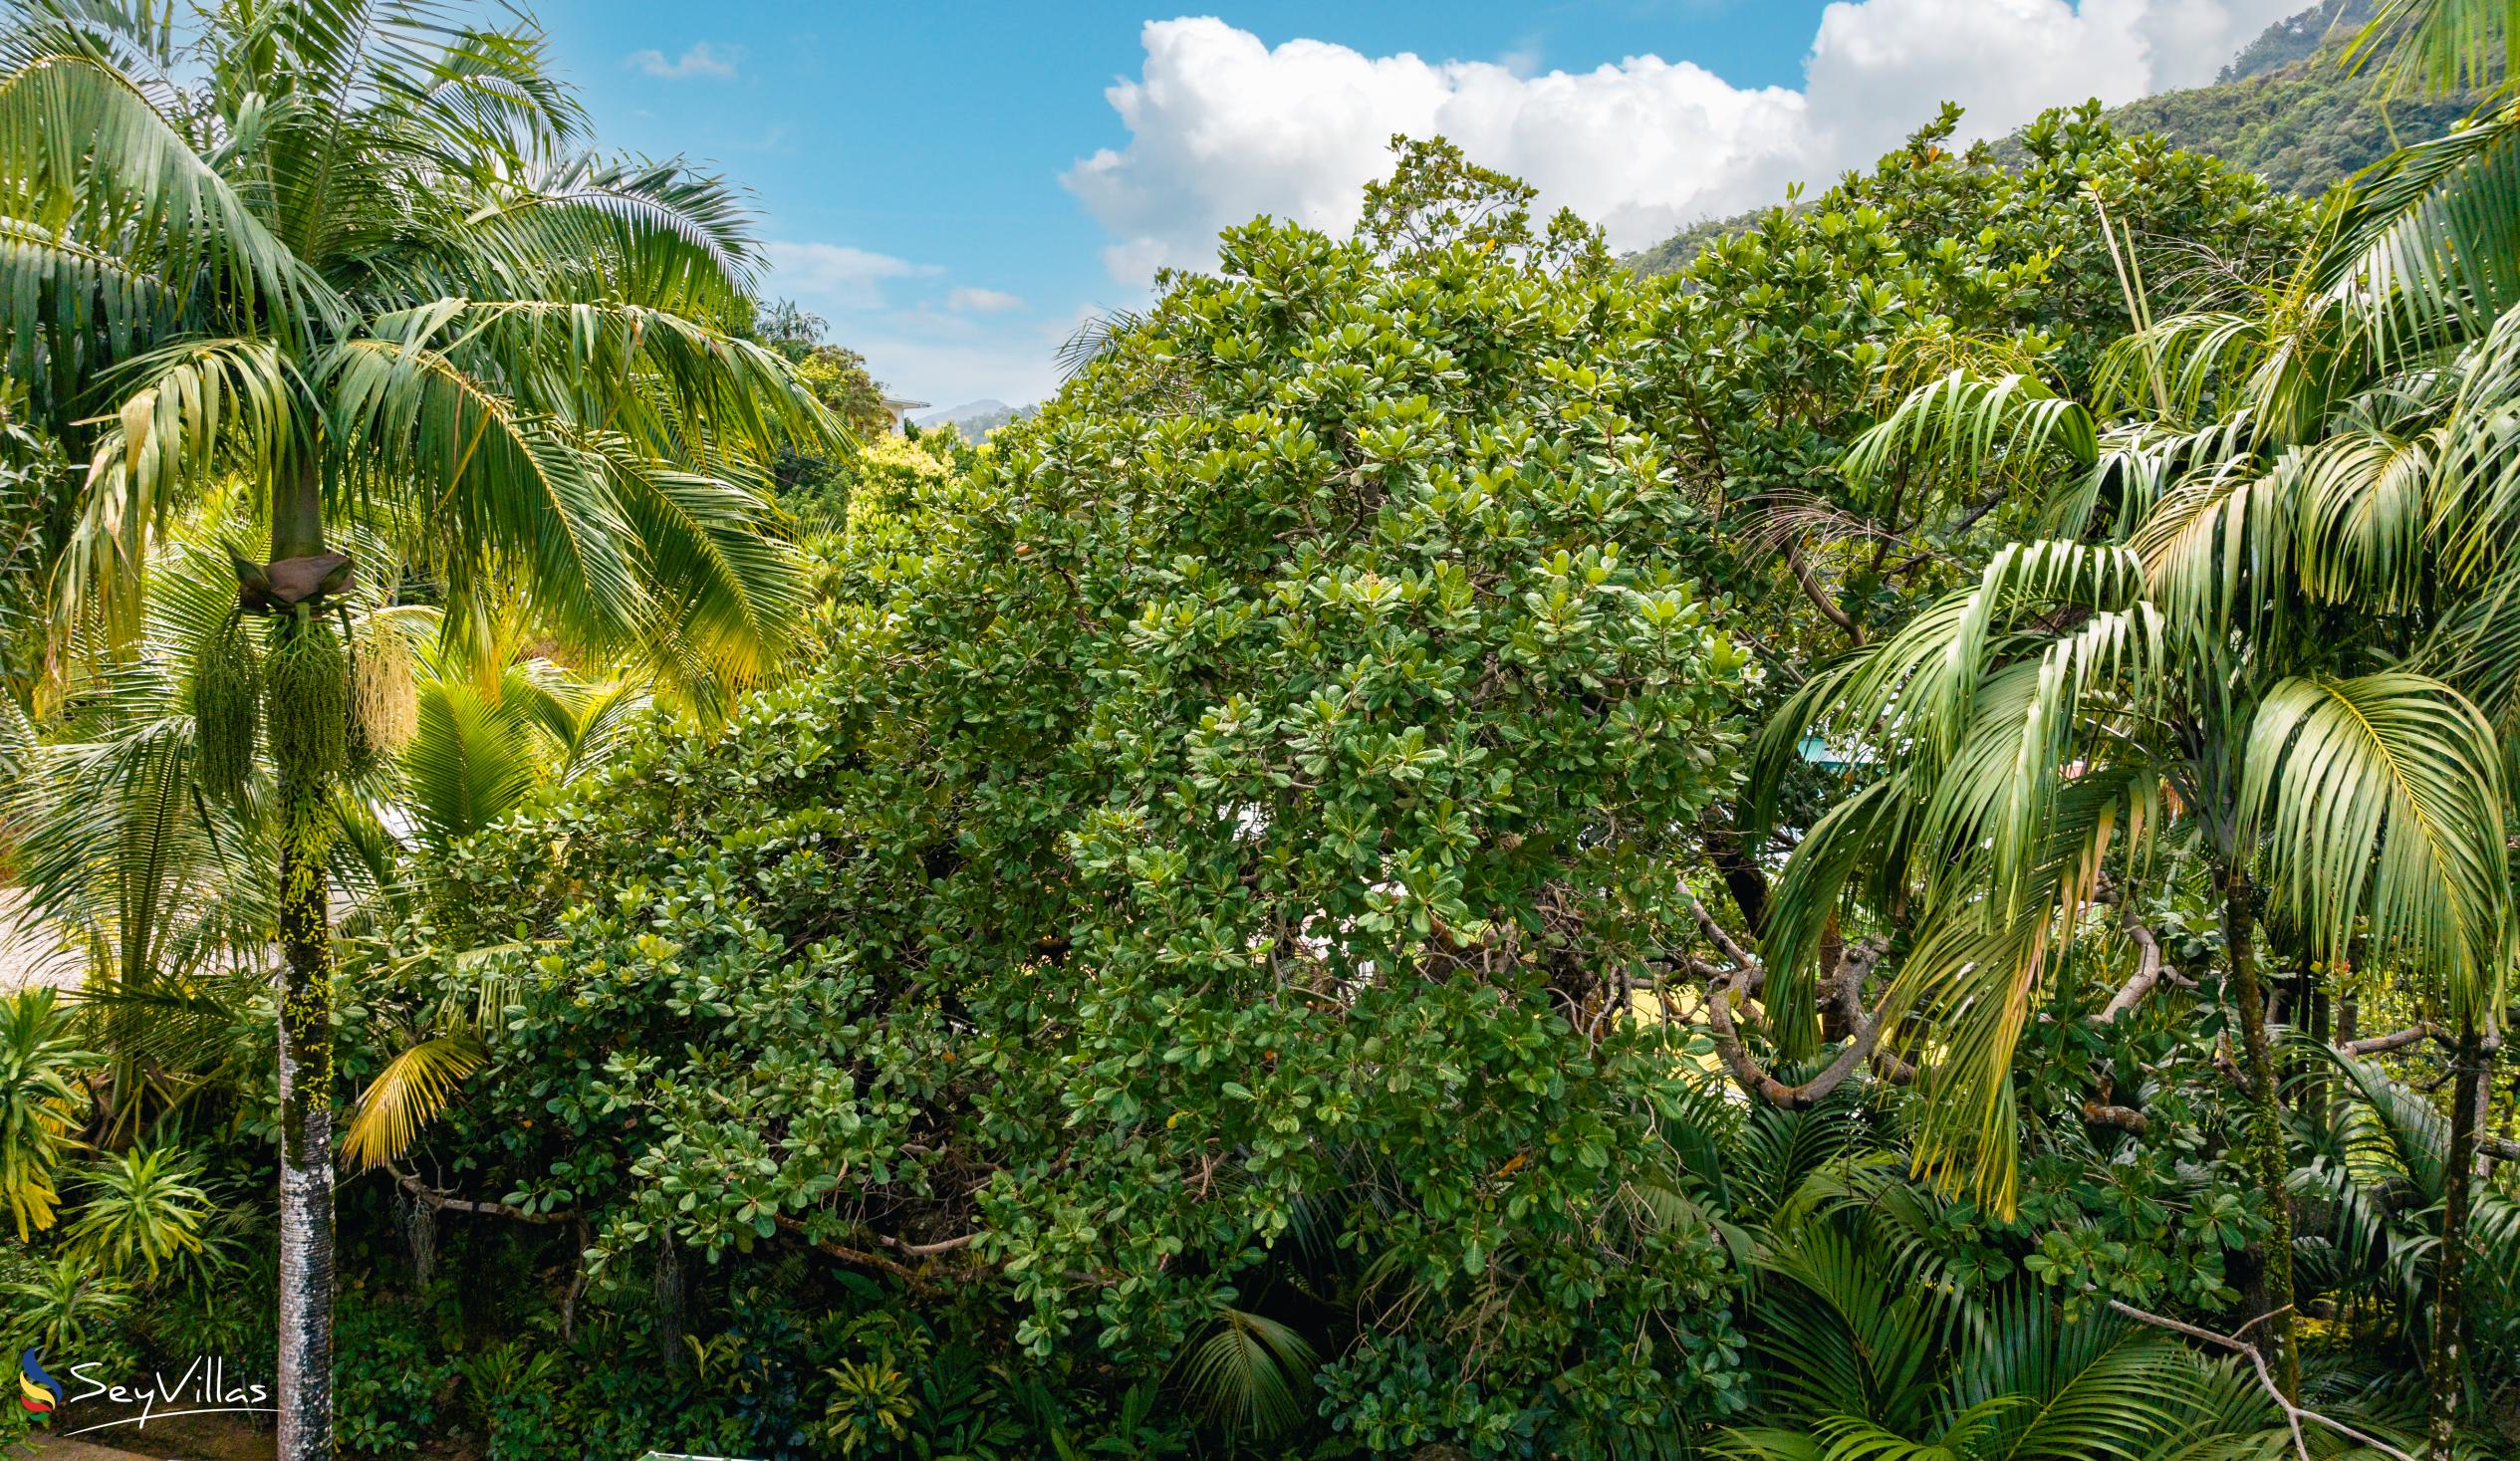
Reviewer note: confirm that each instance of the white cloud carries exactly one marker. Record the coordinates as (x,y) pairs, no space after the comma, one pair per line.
(1014,362)
(715,62)
(1224,126)
(971,299)
(836,276)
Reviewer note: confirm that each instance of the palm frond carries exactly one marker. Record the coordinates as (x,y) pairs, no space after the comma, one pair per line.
(1986,427)
(656,234)
(1246,1375)
(186,410)
(2427,245)
(2095,1388)
(504,487)
(407,1094)
(2441,46)
(2381,798)
(467,765)
(79,140)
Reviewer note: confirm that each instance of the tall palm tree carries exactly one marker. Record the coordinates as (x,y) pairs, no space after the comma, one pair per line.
(2272,639)
(350,255)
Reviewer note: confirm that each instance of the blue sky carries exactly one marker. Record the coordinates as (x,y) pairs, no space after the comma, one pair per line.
(953,186)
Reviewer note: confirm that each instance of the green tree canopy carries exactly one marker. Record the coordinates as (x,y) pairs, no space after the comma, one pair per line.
(1232,828)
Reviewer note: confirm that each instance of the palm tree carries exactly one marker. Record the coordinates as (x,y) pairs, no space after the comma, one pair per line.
(1864,1342)
(2277,627)
(2271,642)
(349,257)
(2380,1174)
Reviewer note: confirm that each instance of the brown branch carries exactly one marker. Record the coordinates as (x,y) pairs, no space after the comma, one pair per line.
(2294,1415)
(2150,972)
(577,1283)
(858,1256)
(1717,935)
(2394,1040)
(437,1201)
(2122,1117)
(1819,595)
(928,1250)
(1867,1027)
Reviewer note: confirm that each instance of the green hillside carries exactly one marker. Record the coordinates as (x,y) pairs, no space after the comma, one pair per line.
(2288,111)
(2284,109)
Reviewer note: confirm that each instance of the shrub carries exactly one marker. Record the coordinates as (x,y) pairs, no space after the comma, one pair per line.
(1214,871)
(387,1377)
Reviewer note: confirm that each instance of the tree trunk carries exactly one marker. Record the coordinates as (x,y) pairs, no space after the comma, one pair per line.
(306,1129)
(1743,879)
(306,1046)
(2322,1023)
(2450,1310)
(2267,1155)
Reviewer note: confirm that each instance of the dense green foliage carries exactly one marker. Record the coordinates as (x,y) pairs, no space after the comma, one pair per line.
(1222,813)
(1456,851)
(1780,346)
(2291,110)
(812,483)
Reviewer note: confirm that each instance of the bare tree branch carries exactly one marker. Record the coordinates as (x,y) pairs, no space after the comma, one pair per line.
(1718,936)
(2150,971)
(2396,1040)
(2294,1415)
(437,1201)
(1819,594)
(1866,1027)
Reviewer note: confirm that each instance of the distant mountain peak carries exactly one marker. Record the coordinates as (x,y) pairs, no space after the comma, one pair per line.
(976,419)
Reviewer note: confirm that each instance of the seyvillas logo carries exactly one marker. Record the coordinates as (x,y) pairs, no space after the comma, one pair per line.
(39,1393)
(202,1389)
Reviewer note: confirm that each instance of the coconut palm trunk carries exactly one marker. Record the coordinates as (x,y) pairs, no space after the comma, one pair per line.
(306,1005)
(2447,1380)
(2267,1158)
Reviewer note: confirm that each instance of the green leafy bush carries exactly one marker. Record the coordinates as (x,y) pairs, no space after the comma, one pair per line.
(1214,871)
(387,1379)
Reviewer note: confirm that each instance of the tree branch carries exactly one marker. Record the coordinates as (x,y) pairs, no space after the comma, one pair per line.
(437,1201)
(2396,1040)
(858,1256)
(2149,973)
(1864,1027)
(1819,595)
(1718,936)
(2294,1415)
(928,1250)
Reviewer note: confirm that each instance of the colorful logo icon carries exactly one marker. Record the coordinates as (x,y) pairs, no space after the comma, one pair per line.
(39,1393)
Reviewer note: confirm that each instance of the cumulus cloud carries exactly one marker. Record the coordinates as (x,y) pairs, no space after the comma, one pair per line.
(1223,126)
(972,300)
(836,276)
(701,60)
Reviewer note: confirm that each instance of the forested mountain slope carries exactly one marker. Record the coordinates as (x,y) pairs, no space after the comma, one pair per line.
(2284,109)
(2287,109)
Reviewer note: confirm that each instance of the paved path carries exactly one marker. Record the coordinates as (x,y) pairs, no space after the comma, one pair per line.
(211,1444)
(53,1448)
